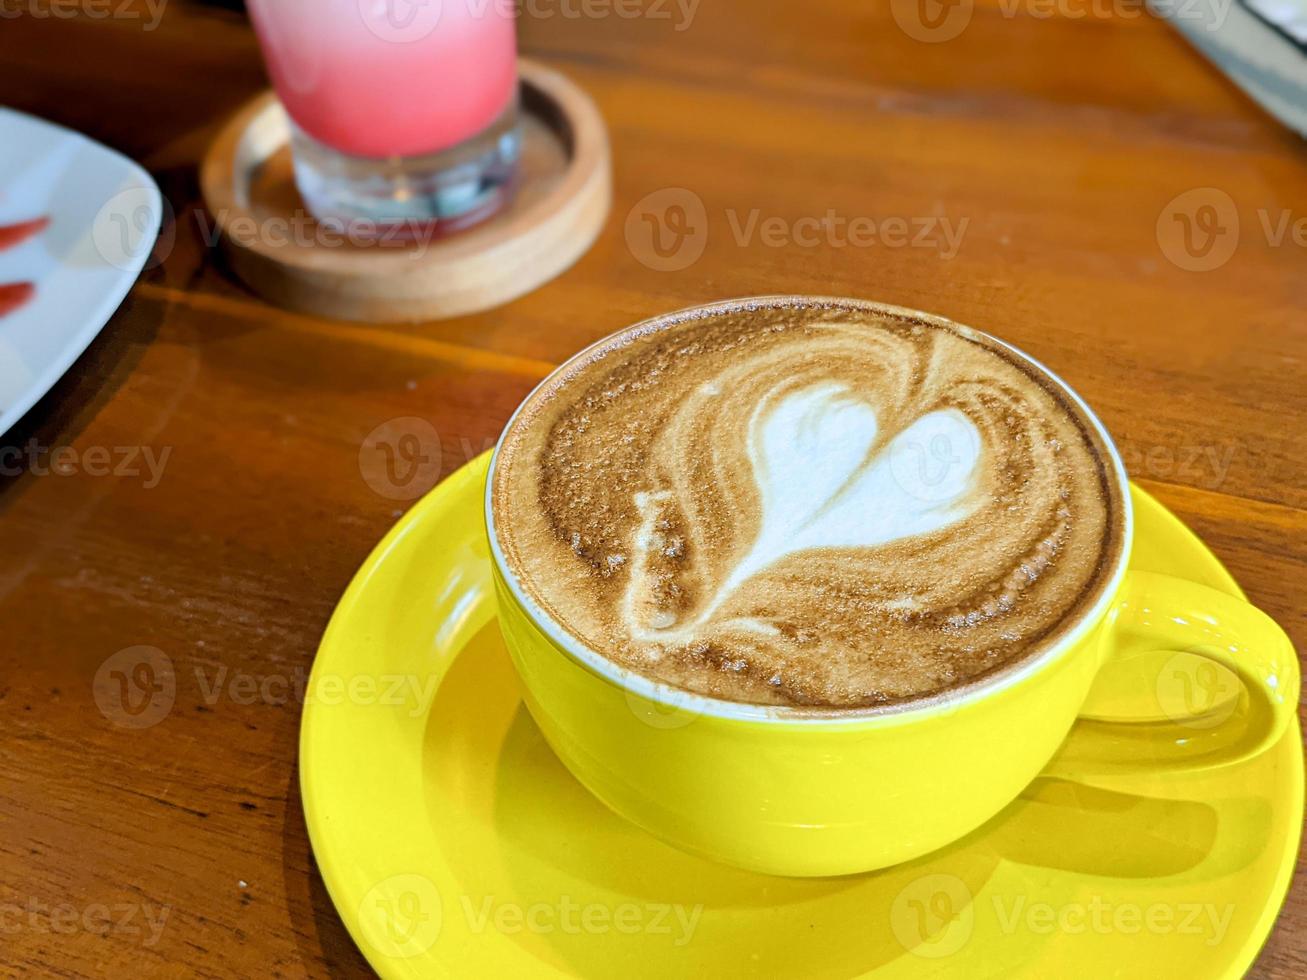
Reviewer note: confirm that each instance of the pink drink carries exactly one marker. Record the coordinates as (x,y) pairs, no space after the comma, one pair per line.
(383,78)
(404,111)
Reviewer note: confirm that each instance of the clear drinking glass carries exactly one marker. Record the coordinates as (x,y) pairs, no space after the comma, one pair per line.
(403,112)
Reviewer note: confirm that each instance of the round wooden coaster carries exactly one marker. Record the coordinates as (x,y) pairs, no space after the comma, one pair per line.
(277,248)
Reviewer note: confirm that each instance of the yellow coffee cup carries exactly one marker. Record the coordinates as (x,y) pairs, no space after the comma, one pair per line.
(793,792)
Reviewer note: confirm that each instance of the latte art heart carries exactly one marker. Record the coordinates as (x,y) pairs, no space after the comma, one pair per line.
(826,481)
(821,506)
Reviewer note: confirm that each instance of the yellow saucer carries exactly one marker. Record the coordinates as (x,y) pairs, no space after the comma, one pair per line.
(454,844)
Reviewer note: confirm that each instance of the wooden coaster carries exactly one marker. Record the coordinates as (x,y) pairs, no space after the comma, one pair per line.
(276,247)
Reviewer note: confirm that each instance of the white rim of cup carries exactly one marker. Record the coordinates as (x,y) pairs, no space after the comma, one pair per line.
(679,699)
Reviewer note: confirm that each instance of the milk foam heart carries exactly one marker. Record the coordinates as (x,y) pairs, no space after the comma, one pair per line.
(825,505)
(822,486)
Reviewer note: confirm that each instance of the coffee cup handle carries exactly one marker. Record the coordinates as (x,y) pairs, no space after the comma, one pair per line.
(1156,612)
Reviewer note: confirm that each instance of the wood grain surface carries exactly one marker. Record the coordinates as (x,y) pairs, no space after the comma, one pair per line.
(562,202)
(1057,136)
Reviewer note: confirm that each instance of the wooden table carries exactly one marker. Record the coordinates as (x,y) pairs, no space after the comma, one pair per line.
(1060,140)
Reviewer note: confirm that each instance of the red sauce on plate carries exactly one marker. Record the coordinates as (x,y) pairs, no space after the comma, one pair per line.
(14,295)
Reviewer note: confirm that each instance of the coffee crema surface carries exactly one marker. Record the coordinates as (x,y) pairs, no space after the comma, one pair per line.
(821,504)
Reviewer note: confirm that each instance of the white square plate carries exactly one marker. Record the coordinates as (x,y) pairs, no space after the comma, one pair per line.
(104,212)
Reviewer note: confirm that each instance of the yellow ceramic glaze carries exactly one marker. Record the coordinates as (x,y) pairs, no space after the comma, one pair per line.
(799,796)
(454,844)
(781,792)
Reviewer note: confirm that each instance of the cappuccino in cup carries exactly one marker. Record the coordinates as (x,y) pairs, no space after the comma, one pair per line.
(817,504)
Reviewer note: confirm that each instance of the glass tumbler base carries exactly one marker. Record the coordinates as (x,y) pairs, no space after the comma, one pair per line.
(410,197)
